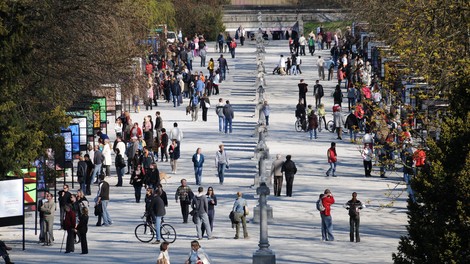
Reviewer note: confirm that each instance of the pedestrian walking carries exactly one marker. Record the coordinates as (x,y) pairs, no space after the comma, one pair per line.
(332,159)
(198,162)
(289,169)
(4,252)
(367,160)
(197,255)
(240,212)
(318,93)
(321,68)
(185,195)
(219,110)
(266,109)
(174,151)
(103,200)
(228,114)
(137,180)
(303,89)
(212,202)
(221,163)
(354,206)
(312,124)
(276,171)
(200,206)
(326,221)
(164,257)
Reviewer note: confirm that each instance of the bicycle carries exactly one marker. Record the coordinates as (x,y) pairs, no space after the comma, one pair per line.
(145,232)
(298,125)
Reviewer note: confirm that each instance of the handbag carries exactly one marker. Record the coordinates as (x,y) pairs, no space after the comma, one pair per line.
(246,210)
(208,105)
(98,209)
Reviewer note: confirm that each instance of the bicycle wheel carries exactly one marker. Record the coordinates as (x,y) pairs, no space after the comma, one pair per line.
(298,126)
(168,233)
(144,233)
(330,126)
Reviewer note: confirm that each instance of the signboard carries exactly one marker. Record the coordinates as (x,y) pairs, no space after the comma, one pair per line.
(75,129)
(82,123)
(67,135)
(11,202)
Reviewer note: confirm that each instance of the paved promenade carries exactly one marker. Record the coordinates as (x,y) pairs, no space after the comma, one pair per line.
(295,236)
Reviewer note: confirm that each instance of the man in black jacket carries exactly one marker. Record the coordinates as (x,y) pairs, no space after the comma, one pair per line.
(289,169)
(157,211)
(64,198)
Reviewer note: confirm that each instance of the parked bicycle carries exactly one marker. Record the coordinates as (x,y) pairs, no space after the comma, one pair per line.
(146,231)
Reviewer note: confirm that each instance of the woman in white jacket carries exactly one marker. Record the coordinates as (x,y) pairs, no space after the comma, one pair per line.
(107,157)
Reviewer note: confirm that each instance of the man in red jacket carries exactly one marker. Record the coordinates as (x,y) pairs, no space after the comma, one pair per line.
(69,226)
(326,220)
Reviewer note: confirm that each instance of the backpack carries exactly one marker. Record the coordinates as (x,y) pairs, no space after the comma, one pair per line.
(233,45)
(320,206)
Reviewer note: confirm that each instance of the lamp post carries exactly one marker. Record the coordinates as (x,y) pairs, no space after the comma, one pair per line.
(263,213)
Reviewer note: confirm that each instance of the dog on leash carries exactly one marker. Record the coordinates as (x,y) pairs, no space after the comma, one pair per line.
(164,176)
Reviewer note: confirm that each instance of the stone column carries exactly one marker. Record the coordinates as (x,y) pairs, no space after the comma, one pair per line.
(263,255)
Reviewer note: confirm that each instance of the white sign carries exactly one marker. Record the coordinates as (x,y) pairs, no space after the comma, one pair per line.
(11,198)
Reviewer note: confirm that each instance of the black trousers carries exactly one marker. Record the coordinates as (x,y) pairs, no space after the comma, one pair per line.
(184,210)
(289,183)
(277,185)
(354,229)
(70,246)
(83,242)
(367,167)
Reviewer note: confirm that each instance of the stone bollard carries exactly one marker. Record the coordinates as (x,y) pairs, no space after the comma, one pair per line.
(263,255)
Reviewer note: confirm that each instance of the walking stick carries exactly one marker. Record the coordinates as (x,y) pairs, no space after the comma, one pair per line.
(62,242)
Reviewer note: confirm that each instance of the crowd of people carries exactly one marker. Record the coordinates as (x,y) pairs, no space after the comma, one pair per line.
(140,147)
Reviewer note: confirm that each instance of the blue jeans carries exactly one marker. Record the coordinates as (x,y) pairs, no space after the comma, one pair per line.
(222,74)
(313,133)
(96,172)
(221,123)
(327,228)
(293,70)
(83,186)
(106,218)
(352,133)
(332,169)
(220,172)
(176,102)
(228,125)
(407,178)
(158,223)
(203,220)
(120,174)
(198,175)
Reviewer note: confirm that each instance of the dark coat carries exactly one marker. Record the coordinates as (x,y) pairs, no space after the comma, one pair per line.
(312,121)
(82,226)
(157,206)
(289,168)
